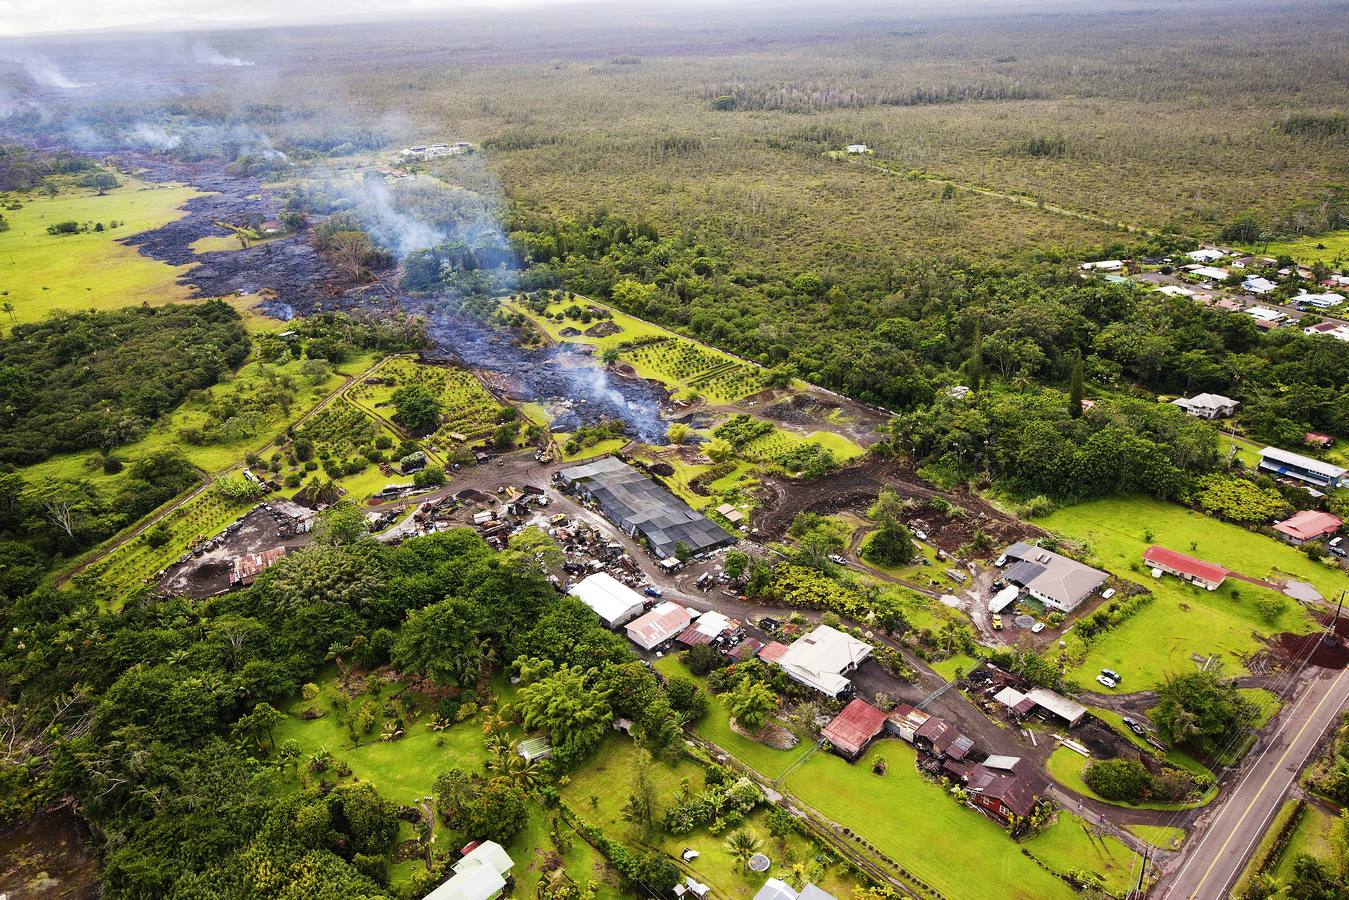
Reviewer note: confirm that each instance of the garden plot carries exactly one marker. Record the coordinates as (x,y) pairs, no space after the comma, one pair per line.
(692,369)
(779,444)
(467,408)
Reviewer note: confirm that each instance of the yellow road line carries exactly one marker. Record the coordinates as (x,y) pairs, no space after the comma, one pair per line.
(1274,771)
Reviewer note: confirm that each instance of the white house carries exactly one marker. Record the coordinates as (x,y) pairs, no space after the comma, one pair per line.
(1207,406)
(1210,272)
(821,658)
(1319,301)
(857,148)
(1105,265)
(1329,329)
(613,601)
(1206,254)
(1265,316)
(480,875)
(1175,290)
(1258,285)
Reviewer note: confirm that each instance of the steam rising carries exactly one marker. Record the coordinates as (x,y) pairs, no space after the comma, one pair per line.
(207,55)
(46,73)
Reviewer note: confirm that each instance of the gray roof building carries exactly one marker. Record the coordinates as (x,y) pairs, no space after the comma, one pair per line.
(1054,580)
(639,506)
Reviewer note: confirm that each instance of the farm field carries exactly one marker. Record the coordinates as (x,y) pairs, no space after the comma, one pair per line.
(43,272)
(693,369)
(467,408)
(1329,247)
(1184,620)
(774,446)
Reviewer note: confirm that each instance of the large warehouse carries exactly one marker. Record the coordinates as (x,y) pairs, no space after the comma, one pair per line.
(639,506)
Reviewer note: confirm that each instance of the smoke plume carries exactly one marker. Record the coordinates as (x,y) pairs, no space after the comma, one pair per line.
(207,55)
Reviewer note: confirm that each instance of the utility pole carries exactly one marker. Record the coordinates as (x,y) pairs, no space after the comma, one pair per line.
(1331,639)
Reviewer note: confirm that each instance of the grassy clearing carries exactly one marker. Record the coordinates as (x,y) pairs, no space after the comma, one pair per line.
(1165,837)
(946,668)
(1184,620)
(914,821)
(1311,837)
(1066,767)
(1329,247)
(773,446)
(1176,758)
(715,727)
(1070,843)
(43,272)
(611,445)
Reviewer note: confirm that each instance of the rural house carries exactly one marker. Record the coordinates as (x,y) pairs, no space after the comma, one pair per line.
(1207,406)
(1054,580)
(776,889)
(1303,468)
(613,601)
(1000,794)
(479,875)
(854,728)
(1186,568)
(1257,285)
(1308,525)
(822,658)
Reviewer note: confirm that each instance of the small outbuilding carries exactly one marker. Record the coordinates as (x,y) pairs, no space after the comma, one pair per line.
(613,601)
(658,626)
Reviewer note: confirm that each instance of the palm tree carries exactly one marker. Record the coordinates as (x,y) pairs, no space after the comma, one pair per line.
(9,310)
(742,845)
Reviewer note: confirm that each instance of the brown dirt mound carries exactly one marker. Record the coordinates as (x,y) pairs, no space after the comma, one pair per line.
(665,470)
(1313,647)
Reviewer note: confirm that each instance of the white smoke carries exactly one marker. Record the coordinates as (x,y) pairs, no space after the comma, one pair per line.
(153,137)
(46,73)
(207,55)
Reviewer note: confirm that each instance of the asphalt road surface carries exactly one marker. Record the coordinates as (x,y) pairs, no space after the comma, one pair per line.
(1215,862)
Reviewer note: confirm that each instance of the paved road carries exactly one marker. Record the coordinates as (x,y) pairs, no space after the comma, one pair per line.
(1215,861)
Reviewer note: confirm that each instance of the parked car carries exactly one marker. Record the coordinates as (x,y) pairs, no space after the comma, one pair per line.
(1107,681)
(1000,561)
(1112,675)
(1134,726)
(835,558)
(1037,628)
(997,623)
(1107,593)
(652,591)
(918,534)
(1339,551)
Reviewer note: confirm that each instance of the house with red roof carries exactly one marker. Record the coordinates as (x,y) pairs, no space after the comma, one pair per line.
(1187,568)
(854,728)
(1308,525)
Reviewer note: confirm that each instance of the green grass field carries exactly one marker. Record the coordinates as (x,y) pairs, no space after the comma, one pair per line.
(1070,843)
(957,850)
(1165,837)
(1066,766)
(1333,245)
(1311,837)
(1184,620)
(40,272)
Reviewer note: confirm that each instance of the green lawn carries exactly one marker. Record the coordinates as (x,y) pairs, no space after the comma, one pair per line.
(42,272)
(946,668)
(1165,837)
(957,850)
(1070,844)
(1066,767)
(1184,620)
(1311,837)
(715,727)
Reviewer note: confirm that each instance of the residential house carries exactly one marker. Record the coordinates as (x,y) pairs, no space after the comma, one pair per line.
(1258,285)
(775,889)
(1207,406)
(1316,439)
(935,736)
(1104,265)
(854,728)
(1175,290)
(1001,794)
(480,875)
(1308,525)
(1303,468)
(1326,300)
(613,601)
(747,649)
(1206,254)
(1211,273)
(822,658)
(707,628)
(1329,329)
(904,721)
(658,626)
(1229,305)
(1186,568)
(1265,317)
(857,148)
(1054,580)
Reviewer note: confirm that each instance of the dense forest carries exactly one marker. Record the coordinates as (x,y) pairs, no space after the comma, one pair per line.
(148,717)
(99,379)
